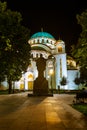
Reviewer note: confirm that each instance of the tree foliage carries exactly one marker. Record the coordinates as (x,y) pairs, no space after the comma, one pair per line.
(63,81)
(77,80)
(14,49)
(79,51)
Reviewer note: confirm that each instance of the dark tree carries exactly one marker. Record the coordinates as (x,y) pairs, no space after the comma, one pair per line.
(79,51)
(14,49)
(63,81)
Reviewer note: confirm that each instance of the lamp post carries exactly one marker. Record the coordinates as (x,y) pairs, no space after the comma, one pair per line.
(51,73)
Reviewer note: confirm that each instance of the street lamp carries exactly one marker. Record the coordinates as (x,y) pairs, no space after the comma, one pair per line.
(51,73)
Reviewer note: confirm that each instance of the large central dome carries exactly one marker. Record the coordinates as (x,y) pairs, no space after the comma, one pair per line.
(42,34)
(41,39)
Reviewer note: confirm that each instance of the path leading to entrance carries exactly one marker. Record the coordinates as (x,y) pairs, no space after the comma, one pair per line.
(20,112)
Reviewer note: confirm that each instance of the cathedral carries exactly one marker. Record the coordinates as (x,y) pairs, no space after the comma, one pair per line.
(54,62)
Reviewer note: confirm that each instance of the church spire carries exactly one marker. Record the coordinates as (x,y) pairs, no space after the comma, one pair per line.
(41,29)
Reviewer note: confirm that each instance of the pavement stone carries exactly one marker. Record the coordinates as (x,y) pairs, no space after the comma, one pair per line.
(20,112)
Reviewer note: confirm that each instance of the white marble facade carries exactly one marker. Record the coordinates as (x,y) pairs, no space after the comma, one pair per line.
(43,43)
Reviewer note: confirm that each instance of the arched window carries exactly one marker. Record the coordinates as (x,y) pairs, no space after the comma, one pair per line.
(42,40)
(50,64)
(60,49)
(47,41)
(30,76)
(51,42)
(38,41)
(33,41)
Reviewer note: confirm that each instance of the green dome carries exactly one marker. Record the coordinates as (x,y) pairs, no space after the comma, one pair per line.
(42,34)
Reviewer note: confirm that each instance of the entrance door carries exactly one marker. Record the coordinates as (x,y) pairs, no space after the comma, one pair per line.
(22,86)
(30,85)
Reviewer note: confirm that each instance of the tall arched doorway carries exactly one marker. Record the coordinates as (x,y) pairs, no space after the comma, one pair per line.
(30,81)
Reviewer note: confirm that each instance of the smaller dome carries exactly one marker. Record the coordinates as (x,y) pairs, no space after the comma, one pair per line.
(60,41)
(42,34)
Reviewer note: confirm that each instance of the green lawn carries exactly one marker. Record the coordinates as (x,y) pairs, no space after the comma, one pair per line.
(81,108)
(3,92)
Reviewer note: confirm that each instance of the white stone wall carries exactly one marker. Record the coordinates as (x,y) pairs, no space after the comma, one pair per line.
(57,66)
(71,77)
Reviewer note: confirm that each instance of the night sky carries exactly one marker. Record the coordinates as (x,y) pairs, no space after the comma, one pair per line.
(55,17)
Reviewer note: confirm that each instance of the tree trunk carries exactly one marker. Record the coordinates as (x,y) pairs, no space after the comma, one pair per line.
(10,86)
(0,84)
(13,86)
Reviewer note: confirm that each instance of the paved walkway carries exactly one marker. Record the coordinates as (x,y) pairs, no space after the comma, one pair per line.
(20,112)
